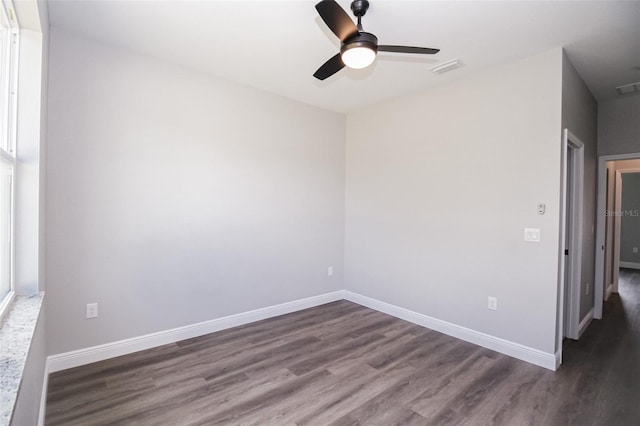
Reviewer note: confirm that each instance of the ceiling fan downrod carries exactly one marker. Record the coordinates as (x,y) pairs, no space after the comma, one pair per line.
(359,9)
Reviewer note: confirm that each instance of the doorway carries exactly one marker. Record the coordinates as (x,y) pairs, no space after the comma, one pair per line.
(611,170)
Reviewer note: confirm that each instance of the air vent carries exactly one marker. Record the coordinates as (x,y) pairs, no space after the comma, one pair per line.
(447,66)
(627,89)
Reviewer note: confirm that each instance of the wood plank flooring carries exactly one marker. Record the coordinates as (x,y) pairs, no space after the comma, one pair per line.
(343,364)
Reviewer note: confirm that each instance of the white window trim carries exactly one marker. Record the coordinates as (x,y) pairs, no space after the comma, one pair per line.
(6,302)
(10,124)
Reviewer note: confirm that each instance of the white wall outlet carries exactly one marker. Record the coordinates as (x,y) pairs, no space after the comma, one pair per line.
(92,310)
(532,235)
(492,303)
(330,271)
(635,249)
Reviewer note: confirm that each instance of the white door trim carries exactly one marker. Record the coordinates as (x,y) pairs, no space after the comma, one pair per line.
(570,141)
(575,245)
(617,225)
(598,293)
(607,247)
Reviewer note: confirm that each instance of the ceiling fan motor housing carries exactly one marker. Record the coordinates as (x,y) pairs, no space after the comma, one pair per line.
(362,39)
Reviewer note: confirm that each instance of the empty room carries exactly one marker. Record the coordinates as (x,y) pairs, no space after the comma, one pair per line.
(319,212)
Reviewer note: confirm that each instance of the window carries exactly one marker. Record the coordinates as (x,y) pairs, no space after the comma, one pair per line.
(8,85)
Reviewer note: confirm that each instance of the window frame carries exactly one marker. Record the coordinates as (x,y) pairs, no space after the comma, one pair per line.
(9,51)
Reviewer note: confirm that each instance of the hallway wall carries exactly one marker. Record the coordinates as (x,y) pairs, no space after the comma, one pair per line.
(619,125)
(580,116)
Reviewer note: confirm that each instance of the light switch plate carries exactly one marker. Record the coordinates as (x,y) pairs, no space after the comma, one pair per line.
(532,235)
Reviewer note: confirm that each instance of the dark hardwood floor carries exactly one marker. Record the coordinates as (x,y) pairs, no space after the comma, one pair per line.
(343,364)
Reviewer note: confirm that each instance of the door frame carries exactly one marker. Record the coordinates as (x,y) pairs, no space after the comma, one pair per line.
(572,305)
(599,290)
(617,226)
(609,232)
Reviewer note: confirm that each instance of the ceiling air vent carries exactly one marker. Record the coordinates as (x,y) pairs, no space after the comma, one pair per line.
(627,89)
(447,66)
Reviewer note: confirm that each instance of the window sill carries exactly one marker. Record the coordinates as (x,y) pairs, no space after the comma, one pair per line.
(16,332)
(6,305)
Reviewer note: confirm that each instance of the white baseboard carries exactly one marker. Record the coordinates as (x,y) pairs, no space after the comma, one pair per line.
(585,322)
(43,395)
(608,291)
(558,358)
(516,350)
(80,357)
(630,265)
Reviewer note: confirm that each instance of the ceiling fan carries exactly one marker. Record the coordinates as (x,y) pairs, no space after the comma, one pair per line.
(358,48)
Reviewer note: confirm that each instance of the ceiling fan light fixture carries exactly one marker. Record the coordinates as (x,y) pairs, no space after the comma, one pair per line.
(358,48)
(358,57)
(359,51)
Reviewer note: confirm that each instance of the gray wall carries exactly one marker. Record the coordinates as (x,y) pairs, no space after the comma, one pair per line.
(439,188)
(630,221)
(619,125)
(27,408)
(580,116)
(174,197)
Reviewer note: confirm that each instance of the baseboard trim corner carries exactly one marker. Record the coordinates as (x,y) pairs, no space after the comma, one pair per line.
(85,356)
(608,291)
(515,350)
(585,322)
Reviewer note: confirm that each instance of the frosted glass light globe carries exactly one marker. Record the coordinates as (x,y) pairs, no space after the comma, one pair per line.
(358,57)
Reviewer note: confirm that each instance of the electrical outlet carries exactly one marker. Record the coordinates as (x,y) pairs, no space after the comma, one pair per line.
(330,271)
(92,310)
(492,303)
(532,235)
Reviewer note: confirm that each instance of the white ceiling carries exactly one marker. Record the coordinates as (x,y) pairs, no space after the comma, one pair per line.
(277,45)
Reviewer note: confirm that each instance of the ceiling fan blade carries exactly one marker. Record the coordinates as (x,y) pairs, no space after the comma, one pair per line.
(408,49)
(336,19)
(329,68)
